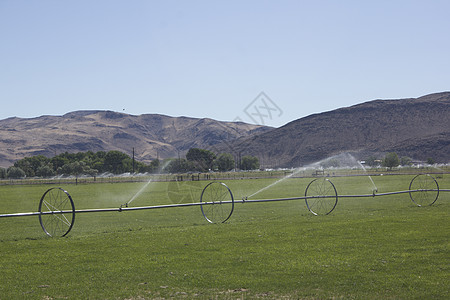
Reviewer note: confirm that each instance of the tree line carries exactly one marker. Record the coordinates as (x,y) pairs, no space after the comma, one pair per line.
(202,160)
(392,160)
(116,162)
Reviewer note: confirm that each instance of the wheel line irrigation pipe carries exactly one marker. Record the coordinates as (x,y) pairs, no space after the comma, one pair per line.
(56,201)
(123,209)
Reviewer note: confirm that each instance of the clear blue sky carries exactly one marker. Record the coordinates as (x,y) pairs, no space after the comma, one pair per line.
(213,58)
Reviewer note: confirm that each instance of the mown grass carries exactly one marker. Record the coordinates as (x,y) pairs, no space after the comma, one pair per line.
(368,248)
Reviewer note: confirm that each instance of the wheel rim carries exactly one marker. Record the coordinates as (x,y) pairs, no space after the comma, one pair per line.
(424,190)
(321,196)
(217,202)
(57,212)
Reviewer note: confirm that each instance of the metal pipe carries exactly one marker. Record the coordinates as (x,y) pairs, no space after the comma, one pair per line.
(20,214)
(121,209)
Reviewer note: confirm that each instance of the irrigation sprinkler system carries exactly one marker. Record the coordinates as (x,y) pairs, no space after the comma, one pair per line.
(57,210)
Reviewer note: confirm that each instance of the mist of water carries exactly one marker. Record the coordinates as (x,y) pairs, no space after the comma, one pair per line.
(343,160)
(375,189)
(349,161)
(139,192)
(296,171)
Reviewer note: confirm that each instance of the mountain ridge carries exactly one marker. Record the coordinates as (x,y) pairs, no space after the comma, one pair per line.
(370,128)
(152,135)
(414,127)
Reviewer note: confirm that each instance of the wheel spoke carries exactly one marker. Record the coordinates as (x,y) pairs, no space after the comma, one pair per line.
(57,212)
(217,202)
(321,196)
(424,190)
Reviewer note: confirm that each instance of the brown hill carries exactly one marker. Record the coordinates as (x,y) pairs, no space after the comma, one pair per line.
(151,135)
(418,128)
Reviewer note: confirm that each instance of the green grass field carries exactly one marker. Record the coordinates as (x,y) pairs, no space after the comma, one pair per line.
(367,248)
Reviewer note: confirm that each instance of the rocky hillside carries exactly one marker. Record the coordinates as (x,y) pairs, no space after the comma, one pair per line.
(418,128)
(151,135)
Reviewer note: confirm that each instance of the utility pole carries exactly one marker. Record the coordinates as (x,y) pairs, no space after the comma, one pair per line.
(133,160)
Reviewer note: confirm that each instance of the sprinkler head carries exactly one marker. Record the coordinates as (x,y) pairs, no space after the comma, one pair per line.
(122,205)
(374,191)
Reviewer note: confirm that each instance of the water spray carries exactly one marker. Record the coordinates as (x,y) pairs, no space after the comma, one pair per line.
(137,194)
(375,189)
(143,188)
(295,172)
(57,211)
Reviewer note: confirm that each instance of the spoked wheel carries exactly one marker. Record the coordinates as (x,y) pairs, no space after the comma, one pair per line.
(217,202)
(56,212)
(321,196)
(423,190)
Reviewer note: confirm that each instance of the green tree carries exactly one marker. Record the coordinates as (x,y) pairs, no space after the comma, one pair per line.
(59,161)
(405,161)
(154,166)
(180,165)
(430,161)
(15,173)
(224,162)
(82,163)
(26,166)
(117,162)
(77,168)
(391,160)
(72,168)
(45,171)
(31,165)
(249,163)
(201,158)
(2,173)
(371,161)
